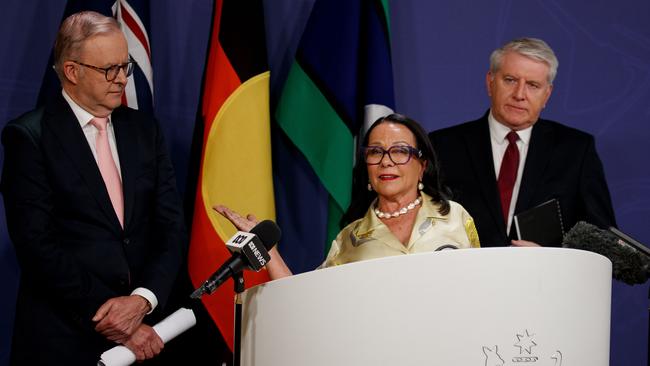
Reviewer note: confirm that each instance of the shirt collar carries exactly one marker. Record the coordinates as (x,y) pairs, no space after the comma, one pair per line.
(498,131)
(83,116)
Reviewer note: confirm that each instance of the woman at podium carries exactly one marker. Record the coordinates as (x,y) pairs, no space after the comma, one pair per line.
(399,205)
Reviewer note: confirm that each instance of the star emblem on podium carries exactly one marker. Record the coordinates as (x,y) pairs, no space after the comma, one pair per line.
(525,342)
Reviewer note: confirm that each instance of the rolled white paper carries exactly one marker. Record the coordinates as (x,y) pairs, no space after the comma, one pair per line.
(117,356)
(173,325)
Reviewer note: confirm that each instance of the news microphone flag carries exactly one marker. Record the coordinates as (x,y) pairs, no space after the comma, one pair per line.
(253,250)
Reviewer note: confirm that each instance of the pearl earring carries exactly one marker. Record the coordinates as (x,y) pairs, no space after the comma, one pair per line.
(369,187)
(420,186)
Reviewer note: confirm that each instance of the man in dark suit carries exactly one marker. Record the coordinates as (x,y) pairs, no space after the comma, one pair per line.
(510,160)
(92,209)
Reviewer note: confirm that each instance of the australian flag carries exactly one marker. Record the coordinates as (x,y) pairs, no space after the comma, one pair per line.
(133,17)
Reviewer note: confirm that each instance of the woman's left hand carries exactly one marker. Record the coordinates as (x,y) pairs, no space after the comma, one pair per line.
(276,266)
(240,222)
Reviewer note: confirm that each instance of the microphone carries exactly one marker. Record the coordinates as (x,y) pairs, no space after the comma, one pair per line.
(445,247)
(250,251)
(629,265)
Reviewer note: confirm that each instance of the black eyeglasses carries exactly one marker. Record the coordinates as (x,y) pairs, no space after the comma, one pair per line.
(112,71)
(398,154)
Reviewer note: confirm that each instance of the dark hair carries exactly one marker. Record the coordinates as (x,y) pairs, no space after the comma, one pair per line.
(362,198)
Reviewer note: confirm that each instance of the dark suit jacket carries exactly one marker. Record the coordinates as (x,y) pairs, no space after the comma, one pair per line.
(562,163)
(73,253)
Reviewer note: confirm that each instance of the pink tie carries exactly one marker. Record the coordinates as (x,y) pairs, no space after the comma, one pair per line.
(508,173)
(108,168)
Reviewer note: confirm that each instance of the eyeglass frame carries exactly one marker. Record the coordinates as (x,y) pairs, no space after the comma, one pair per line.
(127,67)
(412,152)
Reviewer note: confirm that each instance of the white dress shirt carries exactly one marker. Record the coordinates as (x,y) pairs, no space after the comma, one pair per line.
(499,143)
(84,117)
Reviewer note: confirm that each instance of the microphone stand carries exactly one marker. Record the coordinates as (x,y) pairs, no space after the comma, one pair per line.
(239,288)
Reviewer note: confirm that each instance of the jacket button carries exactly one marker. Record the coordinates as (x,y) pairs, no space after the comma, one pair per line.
(126,241)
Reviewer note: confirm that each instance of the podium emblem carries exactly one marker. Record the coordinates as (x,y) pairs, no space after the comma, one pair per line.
(523,353)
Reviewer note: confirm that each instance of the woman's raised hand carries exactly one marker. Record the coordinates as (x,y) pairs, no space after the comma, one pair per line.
(240,222)
(276,266)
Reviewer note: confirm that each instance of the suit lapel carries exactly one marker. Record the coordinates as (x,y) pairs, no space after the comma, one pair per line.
(480,151)
(125,138)
(61,120)
(539,153)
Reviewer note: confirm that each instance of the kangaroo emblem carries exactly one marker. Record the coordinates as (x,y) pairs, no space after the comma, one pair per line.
(492,358)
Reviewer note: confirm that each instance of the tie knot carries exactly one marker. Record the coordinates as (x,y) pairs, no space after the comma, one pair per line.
(512,137)
(99,122)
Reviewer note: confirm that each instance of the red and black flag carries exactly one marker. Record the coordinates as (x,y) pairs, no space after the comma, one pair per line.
(235,168)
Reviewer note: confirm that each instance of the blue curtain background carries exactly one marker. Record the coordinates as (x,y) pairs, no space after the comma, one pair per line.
(440,56)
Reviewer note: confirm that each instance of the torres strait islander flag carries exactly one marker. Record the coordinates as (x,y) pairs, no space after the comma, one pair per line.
(340,82)
(133,17)
(235,166)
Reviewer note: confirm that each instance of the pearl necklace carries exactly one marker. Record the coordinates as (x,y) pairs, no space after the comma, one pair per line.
(401,211)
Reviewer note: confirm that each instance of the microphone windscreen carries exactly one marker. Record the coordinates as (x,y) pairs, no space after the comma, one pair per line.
(589,237)
(627,264)
(268,232)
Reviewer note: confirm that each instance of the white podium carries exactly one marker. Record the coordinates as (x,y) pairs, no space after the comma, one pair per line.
(490,306)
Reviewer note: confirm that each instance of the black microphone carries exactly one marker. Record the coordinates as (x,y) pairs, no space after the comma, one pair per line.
(629,265)
(445,247)
(250,251)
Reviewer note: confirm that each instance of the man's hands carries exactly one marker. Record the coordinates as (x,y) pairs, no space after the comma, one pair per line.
(144,343)
(120,320)
(119,317)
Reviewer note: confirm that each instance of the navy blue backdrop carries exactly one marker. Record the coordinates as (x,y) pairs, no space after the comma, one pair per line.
(440,55)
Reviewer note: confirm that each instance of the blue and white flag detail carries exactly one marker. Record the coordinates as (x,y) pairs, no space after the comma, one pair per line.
(133,18)
(137,37)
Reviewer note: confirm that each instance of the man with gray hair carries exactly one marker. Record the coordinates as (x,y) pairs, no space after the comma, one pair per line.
(92,209)
(511,160)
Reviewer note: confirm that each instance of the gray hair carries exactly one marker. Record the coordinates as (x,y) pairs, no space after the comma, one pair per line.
(533,48)
(74,31)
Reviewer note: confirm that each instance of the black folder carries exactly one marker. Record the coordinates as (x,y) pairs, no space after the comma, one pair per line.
(541,224)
